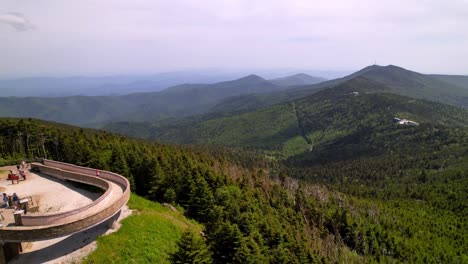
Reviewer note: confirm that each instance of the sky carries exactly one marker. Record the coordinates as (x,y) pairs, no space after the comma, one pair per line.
(102,37)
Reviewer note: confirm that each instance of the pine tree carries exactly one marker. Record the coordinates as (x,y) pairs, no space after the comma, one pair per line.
(225,241)
(200,199)
(249,252)
(191,248)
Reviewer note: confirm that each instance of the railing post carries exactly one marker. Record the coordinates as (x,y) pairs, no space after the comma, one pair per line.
(17,214)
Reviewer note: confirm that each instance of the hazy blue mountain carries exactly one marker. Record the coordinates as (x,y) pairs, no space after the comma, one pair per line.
(251,83)
(124,84)
(297,79)
(107,85)
(78,110)
(180,100)
(246,94)
(191,99)
(251,102)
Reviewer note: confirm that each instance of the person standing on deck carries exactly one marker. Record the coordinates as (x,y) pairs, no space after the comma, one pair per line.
(6,200)
(16,199)
(23,174)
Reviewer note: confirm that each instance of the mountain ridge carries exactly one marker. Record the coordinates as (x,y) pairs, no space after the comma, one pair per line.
(178,101)
(410,83)
(248,93)
(328,114)
(297,80)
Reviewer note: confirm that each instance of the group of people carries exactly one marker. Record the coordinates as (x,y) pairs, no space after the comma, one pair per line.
(14,199)
(21,172)
(21,169)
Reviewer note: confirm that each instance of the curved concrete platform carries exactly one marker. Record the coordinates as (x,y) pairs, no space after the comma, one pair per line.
(47,226)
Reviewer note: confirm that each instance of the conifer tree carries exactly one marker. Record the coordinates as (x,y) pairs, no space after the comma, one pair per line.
(191,248)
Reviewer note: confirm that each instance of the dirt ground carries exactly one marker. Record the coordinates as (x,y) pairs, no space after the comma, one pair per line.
(49,196)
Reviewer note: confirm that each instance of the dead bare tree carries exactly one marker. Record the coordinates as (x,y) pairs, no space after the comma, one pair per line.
(42,139)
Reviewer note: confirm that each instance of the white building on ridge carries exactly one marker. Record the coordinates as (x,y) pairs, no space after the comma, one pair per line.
(403,121)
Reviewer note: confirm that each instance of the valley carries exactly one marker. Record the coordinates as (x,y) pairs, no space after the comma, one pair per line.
(234,132)
(246,94)
(321,173)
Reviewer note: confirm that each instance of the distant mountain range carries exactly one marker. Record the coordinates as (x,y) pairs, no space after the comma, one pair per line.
(295,126)
(297,79)
(227,98)
(119,84)
(282,169)
(107,85)
(180,100)
(397,80)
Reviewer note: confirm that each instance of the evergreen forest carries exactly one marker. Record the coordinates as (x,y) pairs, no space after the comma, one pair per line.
(380,193)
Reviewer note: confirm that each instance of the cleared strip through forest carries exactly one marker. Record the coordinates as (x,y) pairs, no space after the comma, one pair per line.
(300,127)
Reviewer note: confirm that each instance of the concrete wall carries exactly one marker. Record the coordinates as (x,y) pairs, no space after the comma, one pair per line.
(34,233)
(61,217)
(114,177)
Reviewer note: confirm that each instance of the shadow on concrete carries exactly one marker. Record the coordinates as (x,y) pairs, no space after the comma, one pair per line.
(72,186)
(64,246)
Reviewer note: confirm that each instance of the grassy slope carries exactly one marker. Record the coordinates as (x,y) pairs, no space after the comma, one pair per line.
(147,236)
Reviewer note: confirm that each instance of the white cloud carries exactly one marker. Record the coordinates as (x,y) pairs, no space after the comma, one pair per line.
(158,35)
(16,20)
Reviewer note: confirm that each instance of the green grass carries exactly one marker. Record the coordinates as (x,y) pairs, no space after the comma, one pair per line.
(295,146)
(147,236)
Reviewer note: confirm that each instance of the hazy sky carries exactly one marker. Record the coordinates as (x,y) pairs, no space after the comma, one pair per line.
(58,37)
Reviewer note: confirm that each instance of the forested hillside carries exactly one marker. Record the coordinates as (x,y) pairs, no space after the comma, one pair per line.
(182,100)
(297,79)
(458,80)
(395,206)
(292,128)
(242,95)
(409,83)
(447,89)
